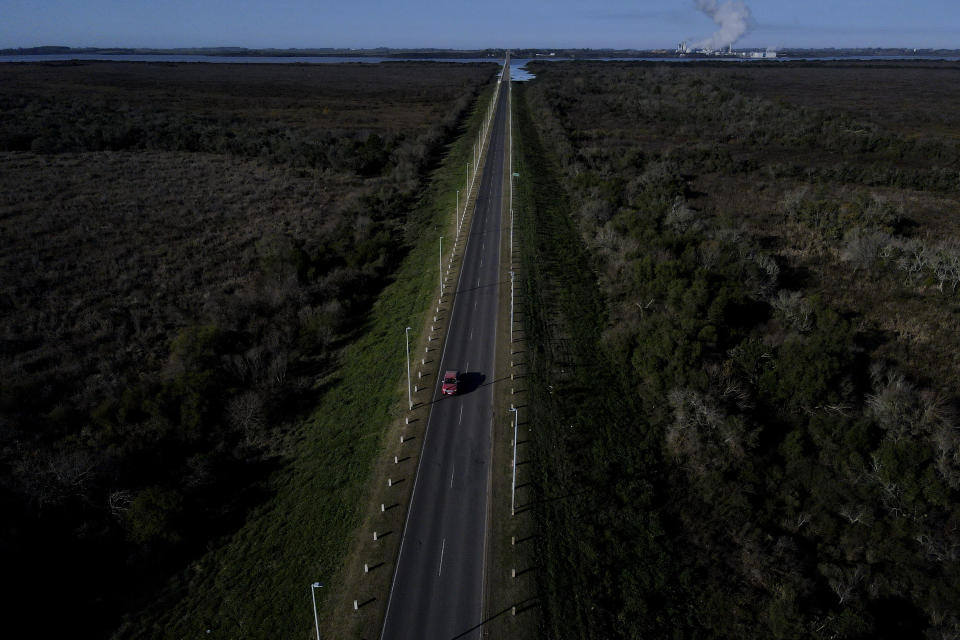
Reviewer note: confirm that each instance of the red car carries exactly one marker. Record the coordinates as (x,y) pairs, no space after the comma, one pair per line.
(450,379)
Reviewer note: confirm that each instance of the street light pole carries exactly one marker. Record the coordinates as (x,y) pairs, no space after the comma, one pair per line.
(513,483)
(441,265)
(409,392)
(313,595)
(456,212)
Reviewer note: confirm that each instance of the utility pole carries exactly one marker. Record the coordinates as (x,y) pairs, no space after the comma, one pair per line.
(510,156)
(510,153)
(513,483)
(511,311)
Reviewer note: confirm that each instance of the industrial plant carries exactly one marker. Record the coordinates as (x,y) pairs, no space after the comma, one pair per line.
(684,49)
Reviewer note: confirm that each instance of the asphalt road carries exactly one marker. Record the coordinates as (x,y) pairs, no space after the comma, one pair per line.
(437,592)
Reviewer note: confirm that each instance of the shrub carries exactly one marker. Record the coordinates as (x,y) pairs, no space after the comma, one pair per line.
(154,516)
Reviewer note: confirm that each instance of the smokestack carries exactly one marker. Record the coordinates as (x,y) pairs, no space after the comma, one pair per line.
(733,17)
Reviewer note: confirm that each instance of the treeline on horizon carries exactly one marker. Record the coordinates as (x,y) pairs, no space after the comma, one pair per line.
(426,52)
(744,286)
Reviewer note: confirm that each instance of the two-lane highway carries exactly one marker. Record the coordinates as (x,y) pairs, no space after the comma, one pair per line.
(437,592)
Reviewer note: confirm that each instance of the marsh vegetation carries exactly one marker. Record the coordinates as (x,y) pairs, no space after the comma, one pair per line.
(752,323)
(187,250)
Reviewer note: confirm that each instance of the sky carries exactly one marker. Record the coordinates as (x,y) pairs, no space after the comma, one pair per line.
(462,24)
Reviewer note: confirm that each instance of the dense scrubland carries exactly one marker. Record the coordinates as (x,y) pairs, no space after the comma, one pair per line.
(744,314)
(187,249)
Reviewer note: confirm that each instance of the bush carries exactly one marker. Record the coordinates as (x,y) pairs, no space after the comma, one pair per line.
(154,516)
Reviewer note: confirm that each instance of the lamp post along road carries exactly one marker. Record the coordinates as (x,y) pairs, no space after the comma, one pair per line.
(409,392)
(313,596)
(441,265)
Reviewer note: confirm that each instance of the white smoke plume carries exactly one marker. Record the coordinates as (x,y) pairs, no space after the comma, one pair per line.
(733,18)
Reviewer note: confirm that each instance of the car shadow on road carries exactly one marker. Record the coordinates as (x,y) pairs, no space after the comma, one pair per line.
(470,381)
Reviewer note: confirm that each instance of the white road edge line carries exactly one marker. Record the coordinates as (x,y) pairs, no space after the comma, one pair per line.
(442,545)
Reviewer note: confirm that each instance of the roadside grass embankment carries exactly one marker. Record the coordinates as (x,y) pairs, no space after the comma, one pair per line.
(258,584)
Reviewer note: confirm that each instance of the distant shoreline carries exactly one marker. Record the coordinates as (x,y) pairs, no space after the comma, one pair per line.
(517,62)
(439,54)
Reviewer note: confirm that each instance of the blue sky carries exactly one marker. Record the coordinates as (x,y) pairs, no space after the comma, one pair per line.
(459,24)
